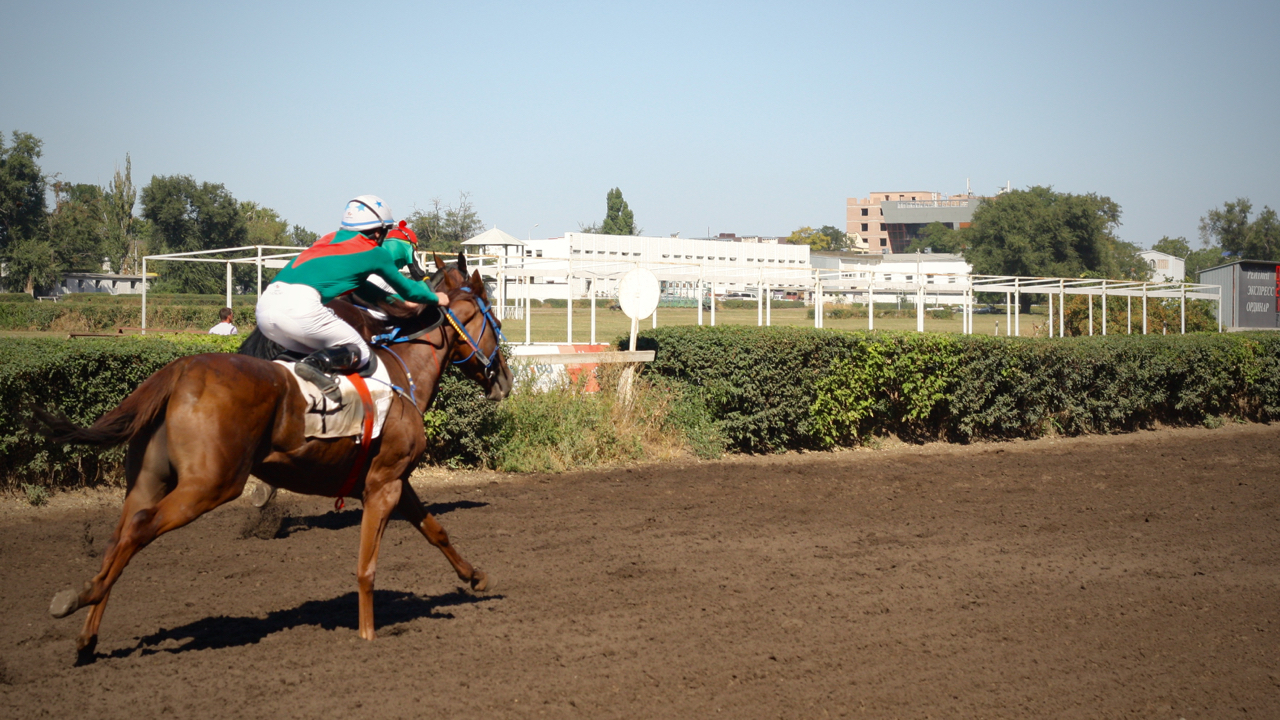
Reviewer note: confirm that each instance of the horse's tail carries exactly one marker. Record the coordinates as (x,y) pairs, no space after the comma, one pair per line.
(139,410)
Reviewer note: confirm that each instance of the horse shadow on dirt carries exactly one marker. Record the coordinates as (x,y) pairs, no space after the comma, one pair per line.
(275,521)
(342,612)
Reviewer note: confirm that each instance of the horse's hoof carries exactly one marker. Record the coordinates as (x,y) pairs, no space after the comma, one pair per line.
(479,580)
(261,494)
(86,650)
(64,603)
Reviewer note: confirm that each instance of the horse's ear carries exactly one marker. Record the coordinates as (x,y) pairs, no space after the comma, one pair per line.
(477,284)
(435,257)
(462,263)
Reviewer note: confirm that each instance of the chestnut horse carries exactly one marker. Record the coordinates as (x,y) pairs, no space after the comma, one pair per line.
(198,427)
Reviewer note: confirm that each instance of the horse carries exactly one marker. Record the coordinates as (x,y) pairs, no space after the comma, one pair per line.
(199,426)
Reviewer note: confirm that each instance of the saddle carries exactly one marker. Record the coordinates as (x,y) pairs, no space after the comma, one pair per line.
(325,419)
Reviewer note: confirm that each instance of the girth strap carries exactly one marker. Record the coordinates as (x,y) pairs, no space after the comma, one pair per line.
(365,441)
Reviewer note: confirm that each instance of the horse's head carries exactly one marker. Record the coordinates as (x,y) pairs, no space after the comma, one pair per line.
(475,350)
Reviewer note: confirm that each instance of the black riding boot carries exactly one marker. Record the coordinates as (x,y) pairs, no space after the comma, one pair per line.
(319,367)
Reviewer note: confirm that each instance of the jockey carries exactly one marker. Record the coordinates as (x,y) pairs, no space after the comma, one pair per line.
(401,242)
(291,311)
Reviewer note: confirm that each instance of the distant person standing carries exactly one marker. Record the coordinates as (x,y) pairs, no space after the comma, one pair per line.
(224,326)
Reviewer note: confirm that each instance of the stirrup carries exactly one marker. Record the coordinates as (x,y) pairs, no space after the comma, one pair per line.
(325,382)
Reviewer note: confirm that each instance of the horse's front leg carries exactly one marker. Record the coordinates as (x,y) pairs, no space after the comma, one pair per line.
(414,511)
(381,495)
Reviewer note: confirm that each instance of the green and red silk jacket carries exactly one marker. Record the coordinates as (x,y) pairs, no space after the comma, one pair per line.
(339,263)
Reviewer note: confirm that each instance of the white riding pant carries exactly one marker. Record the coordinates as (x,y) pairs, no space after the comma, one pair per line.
(293,316)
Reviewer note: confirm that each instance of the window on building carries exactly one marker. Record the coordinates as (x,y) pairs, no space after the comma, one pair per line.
(883,227)
(864,212)
(864,227)
(886,197)
(883,242)
(537,253)
(666,255)
(576,251)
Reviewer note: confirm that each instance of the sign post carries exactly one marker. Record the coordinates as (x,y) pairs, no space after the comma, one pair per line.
(638,293)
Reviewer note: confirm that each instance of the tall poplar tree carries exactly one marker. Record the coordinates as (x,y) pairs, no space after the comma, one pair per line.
(618,219)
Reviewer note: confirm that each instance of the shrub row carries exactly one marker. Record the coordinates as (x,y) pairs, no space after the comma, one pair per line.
(86,377)
(96,316)
(83,378)
(782,387)
(745,388)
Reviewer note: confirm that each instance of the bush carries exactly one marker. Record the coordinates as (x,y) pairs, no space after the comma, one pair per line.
(108,313)
(83,378)
(777,388)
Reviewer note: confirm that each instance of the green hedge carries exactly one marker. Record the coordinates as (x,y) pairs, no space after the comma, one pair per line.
(84,378)
(782,387)
(109,315)
(766,389)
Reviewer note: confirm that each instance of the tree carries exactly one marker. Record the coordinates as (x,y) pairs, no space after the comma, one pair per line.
(77,227)
(444,228)
(618,219)
(837,238)
(22,189)
(264,225)
(31,263)
(186,217)
(937,237)
(1231,229)
(1040,232)
(301,236)
(1046,233)
(806,235)
(122,243)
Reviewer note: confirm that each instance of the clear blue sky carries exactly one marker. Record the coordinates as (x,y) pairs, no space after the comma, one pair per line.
(735,117)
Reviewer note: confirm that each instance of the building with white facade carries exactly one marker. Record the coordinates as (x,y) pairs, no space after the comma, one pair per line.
(948,272)
(1165,267)
(593,264)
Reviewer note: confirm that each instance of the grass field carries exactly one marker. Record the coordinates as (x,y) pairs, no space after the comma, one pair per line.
(549,325)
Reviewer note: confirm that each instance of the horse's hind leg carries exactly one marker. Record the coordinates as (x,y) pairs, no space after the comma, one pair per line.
(150,510)
(147,475)
(414,511)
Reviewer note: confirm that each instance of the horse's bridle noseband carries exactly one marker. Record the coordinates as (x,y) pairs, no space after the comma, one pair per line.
(490,361)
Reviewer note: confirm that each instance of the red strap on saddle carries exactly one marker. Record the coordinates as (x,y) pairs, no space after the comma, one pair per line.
(363,455)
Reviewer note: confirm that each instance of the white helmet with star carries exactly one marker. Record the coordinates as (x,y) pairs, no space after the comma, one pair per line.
(367,212)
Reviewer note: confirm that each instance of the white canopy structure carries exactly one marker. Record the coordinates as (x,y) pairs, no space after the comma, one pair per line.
(238,255)
(494,238)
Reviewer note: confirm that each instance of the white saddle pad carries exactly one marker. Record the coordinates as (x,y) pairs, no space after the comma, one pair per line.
(326,420)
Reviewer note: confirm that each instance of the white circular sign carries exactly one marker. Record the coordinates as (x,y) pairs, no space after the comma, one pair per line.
(638,293)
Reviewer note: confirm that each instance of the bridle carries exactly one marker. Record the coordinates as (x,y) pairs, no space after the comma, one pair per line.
(490,361)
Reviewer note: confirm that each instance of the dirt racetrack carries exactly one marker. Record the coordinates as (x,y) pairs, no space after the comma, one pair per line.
(1128,576)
